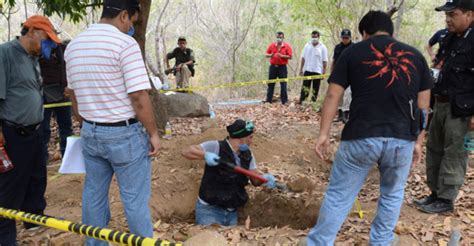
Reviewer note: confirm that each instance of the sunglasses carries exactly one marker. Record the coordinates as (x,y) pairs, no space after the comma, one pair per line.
(248,127)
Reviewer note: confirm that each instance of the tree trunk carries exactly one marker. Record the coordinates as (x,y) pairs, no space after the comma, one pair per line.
(141,24)
(158,100)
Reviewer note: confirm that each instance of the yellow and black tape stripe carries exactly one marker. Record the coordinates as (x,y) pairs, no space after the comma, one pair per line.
(103,234)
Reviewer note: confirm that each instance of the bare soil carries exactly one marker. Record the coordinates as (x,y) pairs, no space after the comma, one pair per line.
(283,147)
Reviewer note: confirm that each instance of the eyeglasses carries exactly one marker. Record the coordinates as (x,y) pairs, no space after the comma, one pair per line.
(248,127)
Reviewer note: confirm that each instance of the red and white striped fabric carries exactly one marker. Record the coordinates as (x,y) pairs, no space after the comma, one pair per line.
(103,66)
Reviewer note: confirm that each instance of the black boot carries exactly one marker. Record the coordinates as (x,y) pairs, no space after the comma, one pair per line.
(426,200)
(438,206)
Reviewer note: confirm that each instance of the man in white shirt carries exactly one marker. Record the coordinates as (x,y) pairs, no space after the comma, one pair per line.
(314,61)
(108,83)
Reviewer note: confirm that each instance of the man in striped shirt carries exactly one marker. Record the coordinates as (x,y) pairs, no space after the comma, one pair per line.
(108,84)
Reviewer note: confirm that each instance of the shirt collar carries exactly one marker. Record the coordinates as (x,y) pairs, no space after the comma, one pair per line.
(16,43)
(282,44)
(107,27)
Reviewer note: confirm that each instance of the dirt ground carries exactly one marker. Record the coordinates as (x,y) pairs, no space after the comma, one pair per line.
(283,146)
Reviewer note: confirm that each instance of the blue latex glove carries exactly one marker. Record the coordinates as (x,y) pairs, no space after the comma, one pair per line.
(212,159)
(271,184)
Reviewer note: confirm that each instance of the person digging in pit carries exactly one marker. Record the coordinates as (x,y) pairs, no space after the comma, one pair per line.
(222,190)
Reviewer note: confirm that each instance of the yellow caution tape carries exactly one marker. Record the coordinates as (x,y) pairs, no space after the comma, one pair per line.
(248,83)
(103,234)
(57,105)
(227,85)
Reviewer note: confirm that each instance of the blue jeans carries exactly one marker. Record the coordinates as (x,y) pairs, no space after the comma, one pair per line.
(63,118)
(209,214)
(123,151)
(354,160)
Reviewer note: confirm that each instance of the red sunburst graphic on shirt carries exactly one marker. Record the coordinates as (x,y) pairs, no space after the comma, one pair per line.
(391,62)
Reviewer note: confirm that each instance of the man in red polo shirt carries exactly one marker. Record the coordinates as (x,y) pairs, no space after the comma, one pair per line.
(279,53)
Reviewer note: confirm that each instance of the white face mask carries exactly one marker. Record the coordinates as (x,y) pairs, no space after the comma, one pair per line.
(315,40)
(279,40)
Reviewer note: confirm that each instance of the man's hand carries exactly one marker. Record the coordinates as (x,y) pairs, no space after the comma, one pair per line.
(417,154)
(322,145)
(212,159)
(155,145)
(301,73)
(270,184)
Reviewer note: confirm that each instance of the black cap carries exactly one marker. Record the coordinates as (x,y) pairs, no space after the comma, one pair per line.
(122,5)
(346,33)
(451,5)
(240,129)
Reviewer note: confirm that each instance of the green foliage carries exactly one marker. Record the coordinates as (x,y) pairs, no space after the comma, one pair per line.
(76,10)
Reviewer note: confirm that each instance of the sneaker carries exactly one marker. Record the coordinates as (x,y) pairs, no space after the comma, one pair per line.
(425,200)
(438,206)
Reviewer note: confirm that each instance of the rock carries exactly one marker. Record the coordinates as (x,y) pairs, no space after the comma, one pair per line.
(208,238)
(187,105)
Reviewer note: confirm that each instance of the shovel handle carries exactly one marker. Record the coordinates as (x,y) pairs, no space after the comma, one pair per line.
(250,174)
(245,172)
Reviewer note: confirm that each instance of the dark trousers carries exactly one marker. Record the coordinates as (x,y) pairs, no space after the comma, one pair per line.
(307,87)
(63,118)
(22,187)
(277,72)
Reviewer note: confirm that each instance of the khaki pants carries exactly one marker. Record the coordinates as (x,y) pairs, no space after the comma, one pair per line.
(446,158)
(182,77)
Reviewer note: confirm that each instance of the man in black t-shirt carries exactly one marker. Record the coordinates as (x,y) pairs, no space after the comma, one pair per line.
(346,41)
(184,66)
(391,85)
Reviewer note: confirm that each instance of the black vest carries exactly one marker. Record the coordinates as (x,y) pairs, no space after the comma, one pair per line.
(457,75)
(221,186)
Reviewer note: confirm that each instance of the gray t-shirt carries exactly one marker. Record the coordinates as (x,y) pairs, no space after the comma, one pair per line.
(213,147)
(21,93)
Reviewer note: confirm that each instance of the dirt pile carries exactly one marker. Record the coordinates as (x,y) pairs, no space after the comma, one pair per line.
(283,146)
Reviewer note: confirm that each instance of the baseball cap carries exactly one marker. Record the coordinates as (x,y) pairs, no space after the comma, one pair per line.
(240,129)
(451,5)
(42,23)
(346,33)
(122,5)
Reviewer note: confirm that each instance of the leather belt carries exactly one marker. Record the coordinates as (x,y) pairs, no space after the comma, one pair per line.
(115,124)
(442,99)
(20,129)
(276,65)
(33,127)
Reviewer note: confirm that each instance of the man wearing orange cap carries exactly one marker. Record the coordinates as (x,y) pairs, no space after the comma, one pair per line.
(21,113)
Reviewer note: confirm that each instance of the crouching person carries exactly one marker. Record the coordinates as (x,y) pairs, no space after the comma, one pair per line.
(222,190)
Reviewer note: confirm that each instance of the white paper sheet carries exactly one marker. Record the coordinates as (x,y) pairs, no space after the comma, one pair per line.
(73,161)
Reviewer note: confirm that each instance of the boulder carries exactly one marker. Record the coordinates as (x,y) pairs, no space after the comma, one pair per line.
(208,238)
(181,104)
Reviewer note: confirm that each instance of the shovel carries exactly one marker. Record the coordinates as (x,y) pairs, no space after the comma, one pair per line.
(281,186)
